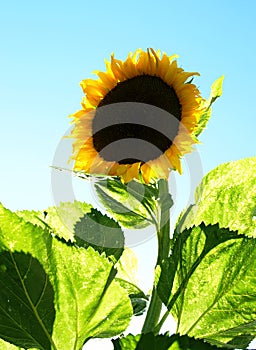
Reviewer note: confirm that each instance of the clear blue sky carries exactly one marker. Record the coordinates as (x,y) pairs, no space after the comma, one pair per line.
(48,47)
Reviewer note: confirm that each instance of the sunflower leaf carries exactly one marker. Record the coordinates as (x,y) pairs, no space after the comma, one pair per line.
(161,342)
(60,219)
(164,277)
(138,298)
(216,92)
(227,196)
(213,295)
(127,269)
(132,205)
(216,89)
(127,266)
(35,217)
(101,232)
(88,301)
(7,346)
(81,223)
(26,301)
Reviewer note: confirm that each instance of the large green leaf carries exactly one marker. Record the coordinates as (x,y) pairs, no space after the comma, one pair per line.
(61,219)
(127,268)
(164,277)
(227,196)
(132,205)
(88,302)
(36,217)
(80,222)
(160,342)
(196,246)
(7,346)
(216,91)
(92,305)
(101,232)
(26,301)
(138,298)
(214,292)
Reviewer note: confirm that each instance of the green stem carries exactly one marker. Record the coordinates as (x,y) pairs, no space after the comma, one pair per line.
(153,313)
(161,322)
(163,235)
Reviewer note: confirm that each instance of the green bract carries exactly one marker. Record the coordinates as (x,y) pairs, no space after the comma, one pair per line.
(216,92)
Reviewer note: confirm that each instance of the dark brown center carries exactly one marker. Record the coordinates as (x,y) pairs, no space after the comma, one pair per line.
(127,132)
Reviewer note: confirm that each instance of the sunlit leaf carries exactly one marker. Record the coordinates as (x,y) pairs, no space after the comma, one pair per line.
(36,217)
(88,302)
(138,298)
(214,296)
(26,301)
(127,268)
(160,342)
(164,277)
(131,205)
(7,346)
(80,222)
(91,303)
(60,219)
(101,232)
(227,196)
(216,91)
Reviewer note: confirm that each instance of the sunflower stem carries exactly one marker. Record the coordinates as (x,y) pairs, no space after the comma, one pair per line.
(163,236)
(161,322)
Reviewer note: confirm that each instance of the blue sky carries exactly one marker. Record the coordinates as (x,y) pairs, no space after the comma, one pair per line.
(47,48)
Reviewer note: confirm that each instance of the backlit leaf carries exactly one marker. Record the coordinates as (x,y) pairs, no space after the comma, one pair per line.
(60,219)
(226,196)
(214,296)
(160,342)
(216,91)
(88,302)
(26,301)
(101,232)
(131,205)
(127,268)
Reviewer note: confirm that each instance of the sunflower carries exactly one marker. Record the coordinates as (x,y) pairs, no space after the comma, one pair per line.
(137,119)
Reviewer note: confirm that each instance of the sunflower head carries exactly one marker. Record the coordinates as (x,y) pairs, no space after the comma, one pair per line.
(137,119)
